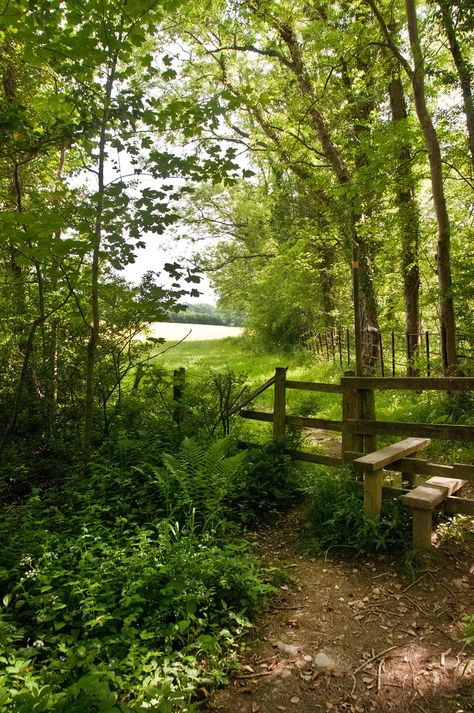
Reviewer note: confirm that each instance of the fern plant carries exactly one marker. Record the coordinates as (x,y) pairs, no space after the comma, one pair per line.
(198,483)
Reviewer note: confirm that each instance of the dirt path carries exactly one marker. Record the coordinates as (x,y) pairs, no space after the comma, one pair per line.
(358,636)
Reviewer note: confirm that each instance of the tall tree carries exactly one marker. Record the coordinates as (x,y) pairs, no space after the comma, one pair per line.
(457,21)
(416,74)
(409,224)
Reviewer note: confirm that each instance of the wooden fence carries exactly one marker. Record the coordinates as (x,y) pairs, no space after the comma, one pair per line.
(359,426)
(396,351)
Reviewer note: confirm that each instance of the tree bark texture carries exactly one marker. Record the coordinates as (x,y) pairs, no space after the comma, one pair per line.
(95,269)
(443,257)
(368,306)
(463,68)
(408,217)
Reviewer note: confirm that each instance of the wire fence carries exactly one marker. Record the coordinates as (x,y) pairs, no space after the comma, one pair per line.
(391,353)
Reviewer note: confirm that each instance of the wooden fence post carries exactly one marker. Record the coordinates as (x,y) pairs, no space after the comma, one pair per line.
(428,365)
(349,411)
(382,364)
(373,493)
(393,353)
(179,378)
(367,412)
(279,404)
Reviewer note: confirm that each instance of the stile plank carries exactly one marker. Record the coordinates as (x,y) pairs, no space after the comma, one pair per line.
(448,432)
(421,466)
(432,493)
(379,459)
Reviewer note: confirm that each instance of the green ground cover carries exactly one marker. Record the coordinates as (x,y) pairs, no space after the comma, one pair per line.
(130,588)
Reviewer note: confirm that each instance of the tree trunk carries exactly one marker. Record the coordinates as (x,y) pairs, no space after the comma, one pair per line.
(367,318)
(443,257)
(463,68)
(95,270)
(328,301)
(446,305)
(409,228)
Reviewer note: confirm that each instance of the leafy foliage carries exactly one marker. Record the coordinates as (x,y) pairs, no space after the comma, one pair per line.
(199,483)
(468,636)
(109,605)
(271,483)
(336,519)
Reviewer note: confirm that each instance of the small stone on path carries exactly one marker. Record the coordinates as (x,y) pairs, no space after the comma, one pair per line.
(324,661)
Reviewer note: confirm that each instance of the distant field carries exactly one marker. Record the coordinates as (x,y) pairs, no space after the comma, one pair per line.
(173,331)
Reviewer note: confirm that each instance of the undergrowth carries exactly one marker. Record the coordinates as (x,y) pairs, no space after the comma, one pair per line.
(336,519)
(128,590)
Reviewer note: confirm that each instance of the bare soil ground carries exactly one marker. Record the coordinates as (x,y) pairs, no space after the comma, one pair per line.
(358,635)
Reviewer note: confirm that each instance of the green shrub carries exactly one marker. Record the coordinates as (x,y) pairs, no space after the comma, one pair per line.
(468,635)
(111,605)
(104,622)
(200,482)
(336,518)
(271,482)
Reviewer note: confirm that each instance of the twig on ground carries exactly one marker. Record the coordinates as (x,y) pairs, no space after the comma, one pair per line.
(250,676)
(415,604)
(447,588)
(377,656)
(420,708)
(379,675)
(415,582)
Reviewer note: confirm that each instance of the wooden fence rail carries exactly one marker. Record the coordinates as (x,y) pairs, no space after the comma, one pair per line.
(359,426)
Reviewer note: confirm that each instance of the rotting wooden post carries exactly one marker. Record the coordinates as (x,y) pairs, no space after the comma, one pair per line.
(356,304)
(367,412)
(279,404)
(179,378)
(138,377)
(382,364)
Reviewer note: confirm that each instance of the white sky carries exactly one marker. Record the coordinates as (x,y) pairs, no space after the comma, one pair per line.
(159,250)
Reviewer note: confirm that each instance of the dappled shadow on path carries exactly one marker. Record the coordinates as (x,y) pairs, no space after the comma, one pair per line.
(352,636)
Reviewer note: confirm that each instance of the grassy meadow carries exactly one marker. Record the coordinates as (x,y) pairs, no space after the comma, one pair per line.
(241,355)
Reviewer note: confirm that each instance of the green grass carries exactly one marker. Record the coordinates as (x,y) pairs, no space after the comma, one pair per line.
(238,354)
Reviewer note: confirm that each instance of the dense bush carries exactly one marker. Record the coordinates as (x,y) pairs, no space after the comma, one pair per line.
(100,623)
(271,482)
(119,592)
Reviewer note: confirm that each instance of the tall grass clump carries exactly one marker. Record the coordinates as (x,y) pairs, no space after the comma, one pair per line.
(336,519)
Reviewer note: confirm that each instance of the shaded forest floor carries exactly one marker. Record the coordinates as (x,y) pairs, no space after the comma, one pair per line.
(356,635)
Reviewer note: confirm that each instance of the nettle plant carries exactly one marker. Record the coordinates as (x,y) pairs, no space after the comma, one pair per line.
(113,614)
